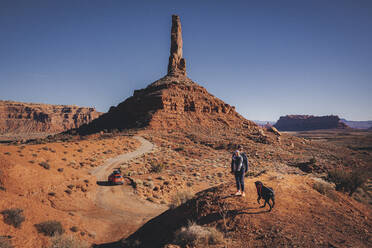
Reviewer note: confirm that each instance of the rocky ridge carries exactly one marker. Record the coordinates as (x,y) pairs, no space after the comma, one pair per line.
(19,117)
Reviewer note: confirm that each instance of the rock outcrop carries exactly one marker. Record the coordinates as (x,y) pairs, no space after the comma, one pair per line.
(170,102)
(174,101)
(177,64)
(309,122)
(19,117)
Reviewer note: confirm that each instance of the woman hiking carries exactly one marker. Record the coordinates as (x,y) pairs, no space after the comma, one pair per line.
(239,166)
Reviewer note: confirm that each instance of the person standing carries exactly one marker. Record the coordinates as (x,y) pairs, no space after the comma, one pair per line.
(239,166)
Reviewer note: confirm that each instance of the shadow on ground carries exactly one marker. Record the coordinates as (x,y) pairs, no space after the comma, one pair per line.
(105,183)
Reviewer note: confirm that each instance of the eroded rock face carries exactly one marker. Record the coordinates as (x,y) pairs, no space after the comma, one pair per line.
(308,122)
(18,117)
(177,64)
(170,103)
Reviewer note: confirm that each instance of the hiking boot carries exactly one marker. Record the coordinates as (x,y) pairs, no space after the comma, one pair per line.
(238,193)
(243,194)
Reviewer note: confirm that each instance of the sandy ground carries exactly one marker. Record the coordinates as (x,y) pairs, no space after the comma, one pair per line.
(117,206)
(68,191)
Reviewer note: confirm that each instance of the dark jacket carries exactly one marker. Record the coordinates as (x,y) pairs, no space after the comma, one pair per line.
(236,159)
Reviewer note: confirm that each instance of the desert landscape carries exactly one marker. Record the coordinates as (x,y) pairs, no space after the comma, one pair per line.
(172,143)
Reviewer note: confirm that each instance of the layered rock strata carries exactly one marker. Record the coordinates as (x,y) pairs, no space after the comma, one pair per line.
(19,117)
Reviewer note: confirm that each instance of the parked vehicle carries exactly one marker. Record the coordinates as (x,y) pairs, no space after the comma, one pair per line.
(116,178)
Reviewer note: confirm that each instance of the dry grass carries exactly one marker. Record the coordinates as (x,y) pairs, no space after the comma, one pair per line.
(13,217)
(325,188)
(180,198)
(62,241)
(195,235)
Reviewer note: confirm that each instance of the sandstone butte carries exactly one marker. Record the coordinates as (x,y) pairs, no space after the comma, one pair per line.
(174,101)
(19,117)
(309,122)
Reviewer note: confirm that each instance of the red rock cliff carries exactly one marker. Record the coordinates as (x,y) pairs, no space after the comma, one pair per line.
(19,117)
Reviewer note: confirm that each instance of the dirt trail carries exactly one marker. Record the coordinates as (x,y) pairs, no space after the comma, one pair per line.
(118,210)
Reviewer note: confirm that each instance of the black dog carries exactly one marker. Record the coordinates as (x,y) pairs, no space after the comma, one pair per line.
(265,193)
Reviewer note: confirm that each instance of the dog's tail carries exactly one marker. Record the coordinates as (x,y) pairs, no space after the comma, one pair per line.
(273,200)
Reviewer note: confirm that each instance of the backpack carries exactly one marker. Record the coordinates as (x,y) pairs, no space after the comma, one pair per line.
(245,161)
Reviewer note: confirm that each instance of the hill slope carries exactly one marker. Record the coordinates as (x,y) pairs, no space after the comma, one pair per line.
(302,217)
(170,102)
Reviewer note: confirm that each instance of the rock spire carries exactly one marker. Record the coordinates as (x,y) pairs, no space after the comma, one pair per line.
(177,64)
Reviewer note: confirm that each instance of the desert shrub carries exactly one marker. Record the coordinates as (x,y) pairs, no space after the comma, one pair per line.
(5,243)
(156,167)
(2,187)
(179,149)
(50,228)
(74,229)
(195,235)
(180,198)
(45,165)
(325,188)
(13,216)
(348,181)
(312,161)
(62,241)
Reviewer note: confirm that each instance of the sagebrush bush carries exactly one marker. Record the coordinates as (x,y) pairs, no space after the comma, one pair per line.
(50,228)
(195,235)
(62,241)
(180,198)
(348,181)
(325,188)
(13,216)
(45,165)
(156,167)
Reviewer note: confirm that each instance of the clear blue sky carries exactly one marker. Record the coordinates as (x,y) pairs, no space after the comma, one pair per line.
(267,58)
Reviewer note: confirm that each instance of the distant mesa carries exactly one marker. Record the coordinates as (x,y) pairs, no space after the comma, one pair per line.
(26,118)
(309,122)
(174,101)
(358,124)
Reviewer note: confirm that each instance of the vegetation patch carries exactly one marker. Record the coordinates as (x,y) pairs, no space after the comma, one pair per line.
(156,167)
(195,235)
(50,228)
(180,198)
(13,216)
(63,241)
(45,165)
(348,181)
(325,188)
